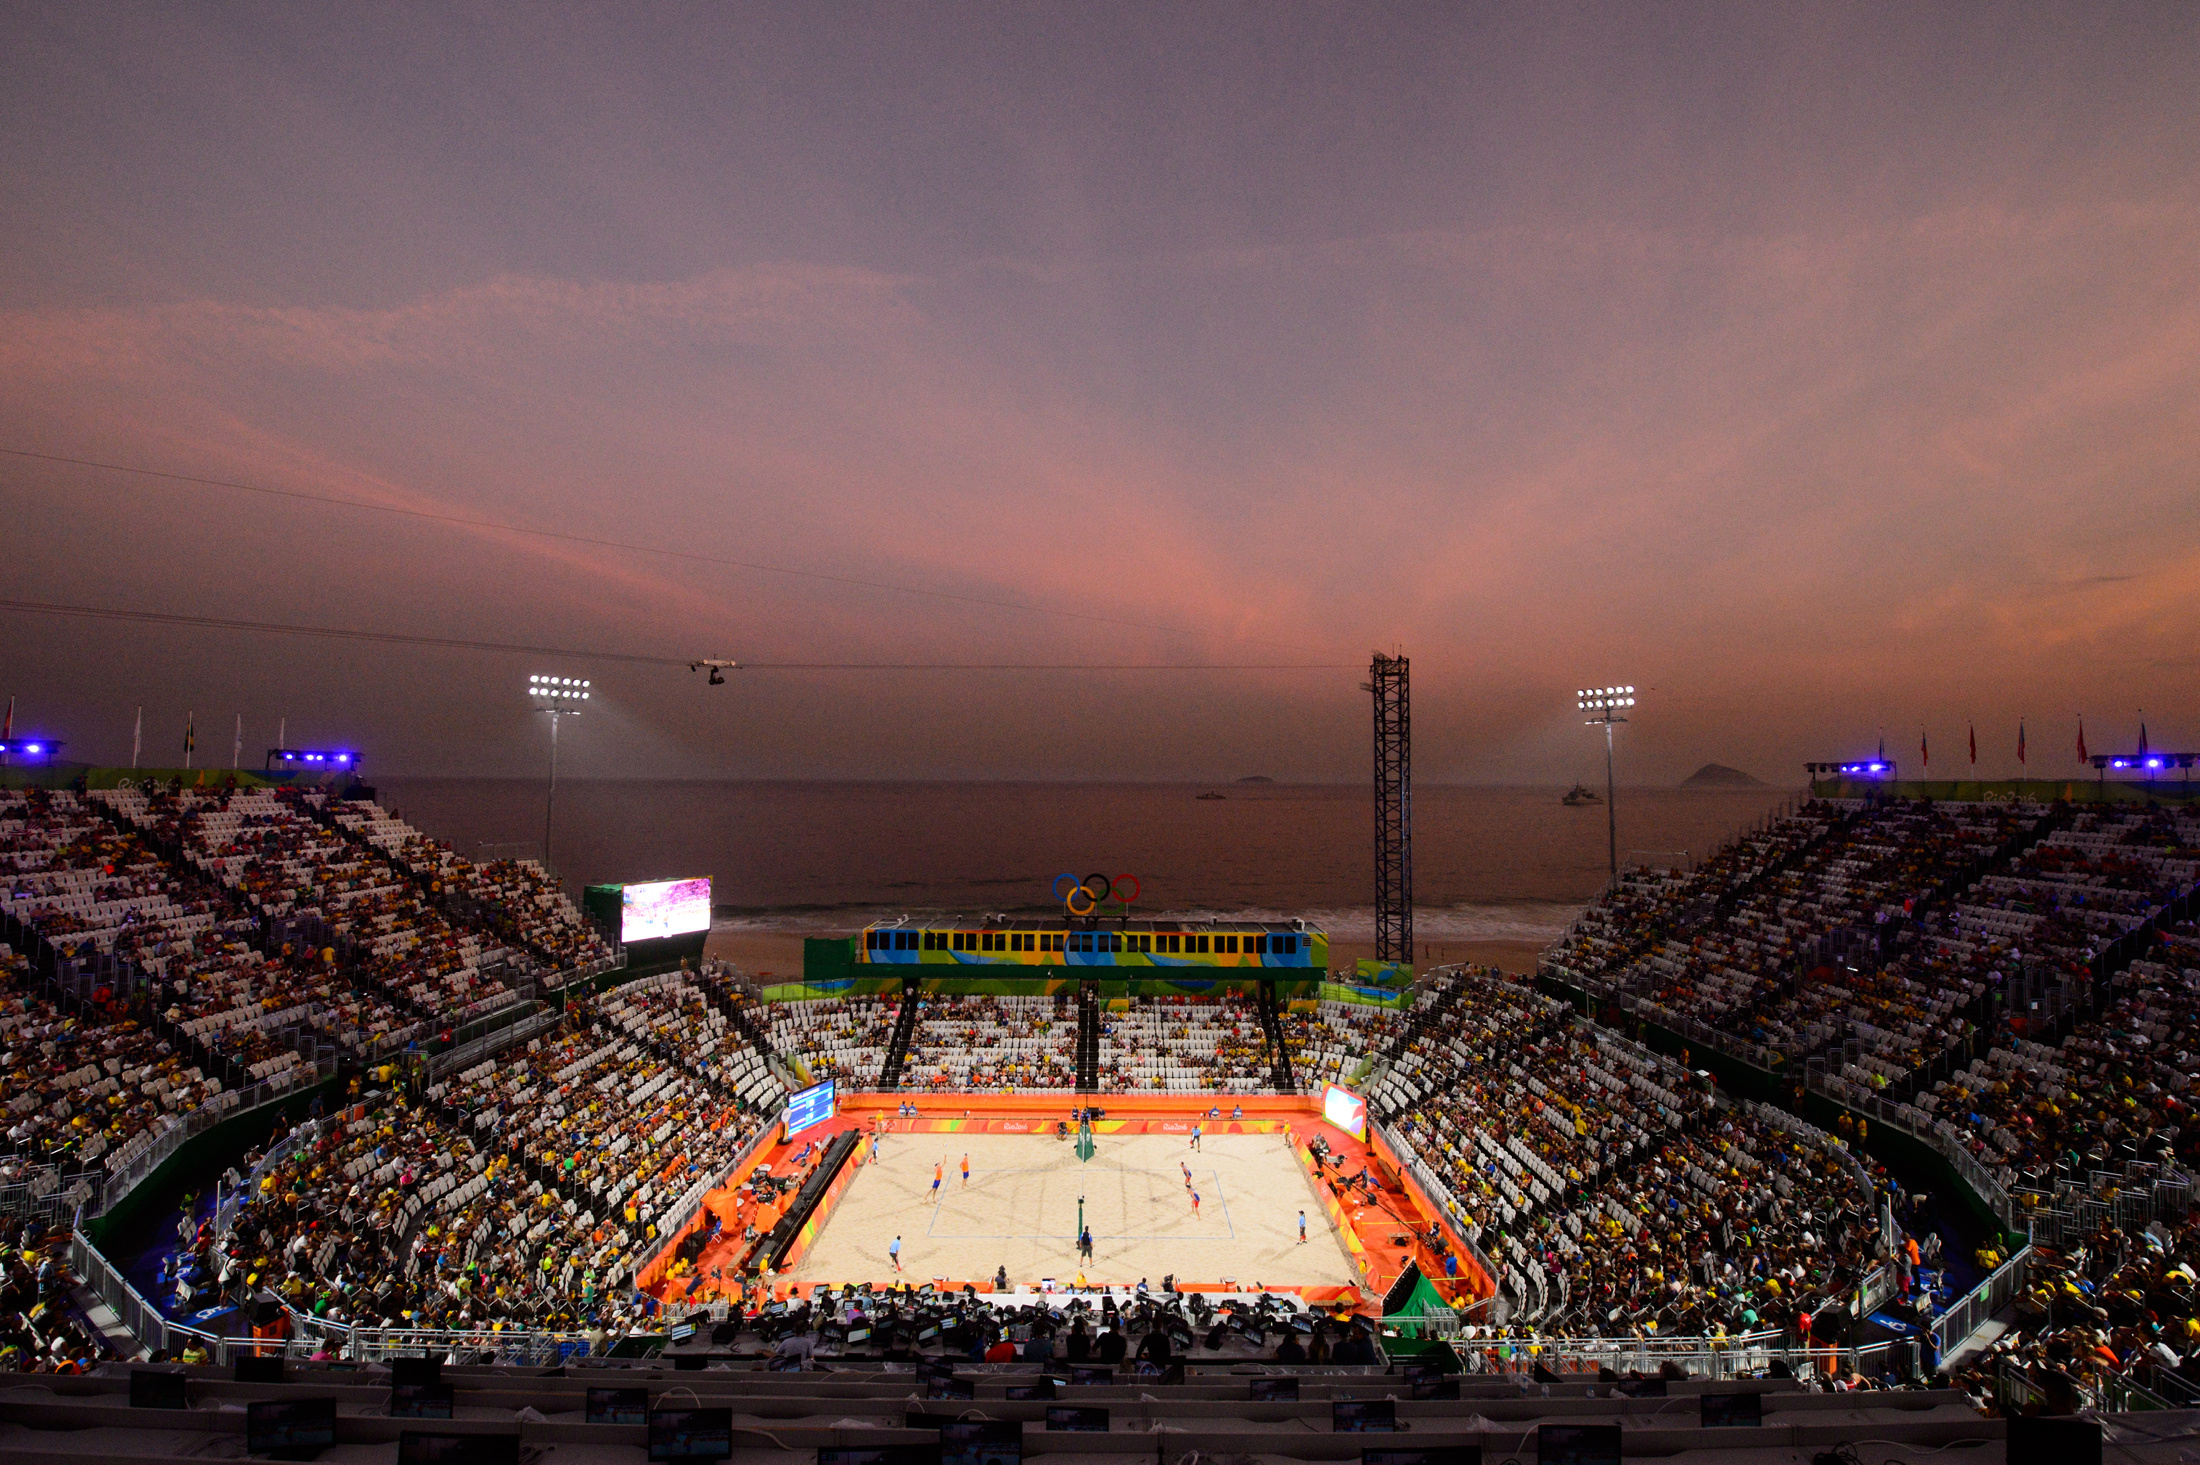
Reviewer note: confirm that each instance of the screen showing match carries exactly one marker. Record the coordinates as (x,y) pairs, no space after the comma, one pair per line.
(664,908)
(1346,1110)
(813,1105)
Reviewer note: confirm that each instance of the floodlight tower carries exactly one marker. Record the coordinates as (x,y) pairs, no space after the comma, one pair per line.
(559,697)
(1388,679)
(1606,702)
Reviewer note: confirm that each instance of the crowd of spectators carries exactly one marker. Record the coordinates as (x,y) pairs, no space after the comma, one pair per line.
(1873,934)
(996,1043)
(517,898)
(1329,1042)
(523,1192)
(843,1038)
(1610,1189)
(1183,1044)
(2114,1098)
(2118,1305)
(39,1331)
(287,853)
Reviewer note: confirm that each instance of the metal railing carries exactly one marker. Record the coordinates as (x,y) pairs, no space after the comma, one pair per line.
(466,1054)
(1919,1126)
(146,1322)
(515,1346)
(1702,1357)
(1440,1196)
(1970,1312)
(126,1177)
(683,1210)
(233,1200)
(52,1196)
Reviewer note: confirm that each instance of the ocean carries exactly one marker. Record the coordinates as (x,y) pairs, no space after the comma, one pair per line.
(1490,864)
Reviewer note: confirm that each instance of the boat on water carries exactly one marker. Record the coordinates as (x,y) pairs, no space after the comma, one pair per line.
(1578,795)
(1212,796)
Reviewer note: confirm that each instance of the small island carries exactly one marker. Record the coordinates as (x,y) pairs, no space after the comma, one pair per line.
(1718,775)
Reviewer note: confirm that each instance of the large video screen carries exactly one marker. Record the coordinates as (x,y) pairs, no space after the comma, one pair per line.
(661,908)
(813,1105)
(1346,1110)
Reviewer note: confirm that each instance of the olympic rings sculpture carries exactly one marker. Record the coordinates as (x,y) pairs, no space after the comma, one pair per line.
(1095,888)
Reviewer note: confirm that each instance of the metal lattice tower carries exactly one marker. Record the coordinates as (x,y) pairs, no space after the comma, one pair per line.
(1389,682)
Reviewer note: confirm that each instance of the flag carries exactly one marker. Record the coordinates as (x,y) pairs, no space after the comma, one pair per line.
(1974,745)
(1924,749)
(137,737)
(190,736)
(2142,740)
(7,729)
(2083,759)
(1882,747)
(2020,740)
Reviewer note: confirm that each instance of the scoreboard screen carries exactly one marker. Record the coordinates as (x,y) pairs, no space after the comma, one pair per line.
(813,1105)
(1346,1110)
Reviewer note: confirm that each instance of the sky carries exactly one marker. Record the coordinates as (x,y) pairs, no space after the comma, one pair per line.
(1828,373)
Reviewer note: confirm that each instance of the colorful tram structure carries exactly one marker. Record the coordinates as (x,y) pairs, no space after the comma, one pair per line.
(999,946)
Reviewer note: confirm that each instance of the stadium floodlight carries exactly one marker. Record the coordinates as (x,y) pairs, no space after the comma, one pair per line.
(1607,703)
(294,758)
(560,697)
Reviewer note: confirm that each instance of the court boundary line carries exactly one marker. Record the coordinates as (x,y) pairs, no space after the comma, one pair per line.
(1229,1226)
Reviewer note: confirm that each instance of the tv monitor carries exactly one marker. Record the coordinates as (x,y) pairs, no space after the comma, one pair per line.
(1275,1391)
(982,1442)
(1159,1373)
(617,1406)
(1577,1444)
(689,1362)
(1435,1386)
(1034,1391)
(1362,1416)
(1346,1110)
(420,1401)
(259,1368)
(2049,1441)
(1436,1455)
(810,1107)
(936,1368)
(949,1388)
(153,1388)
(415,1368)
(289,1429)
(655,909)
(1641,1388)
(1076,1419)
(1081,1374)
(1729,1411)
(417,1447)
(879,1455)
(690,1434)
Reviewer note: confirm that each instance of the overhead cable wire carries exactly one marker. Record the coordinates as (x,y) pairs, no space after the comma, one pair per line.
(567,537)
(633,658)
